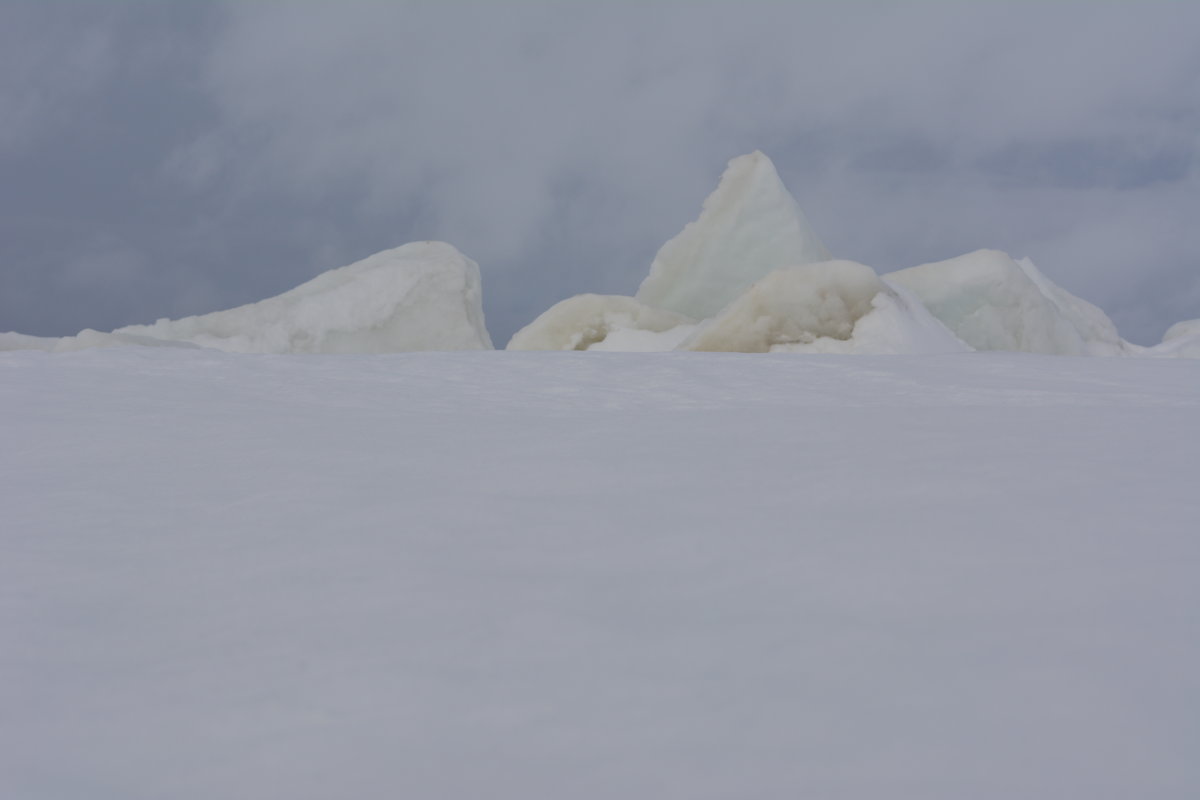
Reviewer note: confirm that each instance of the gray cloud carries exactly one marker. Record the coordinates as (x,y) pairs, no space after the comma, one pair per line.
(560,144)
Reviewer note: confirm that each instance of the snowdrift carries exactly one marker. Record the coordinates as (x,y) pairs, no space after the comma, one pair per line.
(1182,340)
(421,296)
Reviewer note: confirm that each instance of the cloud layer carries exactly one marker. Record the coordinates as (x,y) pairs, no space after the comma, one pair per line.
(560,144)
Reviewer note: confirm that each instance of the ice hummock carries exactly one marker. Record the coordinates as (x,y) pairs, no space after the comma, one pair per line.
(750,226)
(1182,340)
(994,302)
(1180,330)
(826,307)
(603,322)
(420,296)
(749,274)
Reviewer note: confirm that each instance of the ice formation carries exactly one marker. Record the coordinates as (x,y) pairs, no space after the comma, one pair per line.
(1181,330)
(827,307)
(749,227)
(599,322)
(1182,340)
(748,275)
(993,302)
(421,296)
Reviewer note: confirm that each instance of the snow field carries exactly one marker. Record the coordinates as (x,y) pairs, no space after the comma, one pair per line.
(680,575)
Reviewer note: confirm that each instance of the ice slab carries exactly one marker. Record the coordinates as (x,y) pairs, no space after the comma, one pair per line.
(420,296)
(993,302)
(749,227)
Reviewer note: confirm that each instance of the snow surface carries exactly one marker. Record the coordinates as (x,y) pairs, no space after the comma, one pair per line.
(993,302)
(597,322)
(827,307)
(421,296)
(749,226)
(586,575)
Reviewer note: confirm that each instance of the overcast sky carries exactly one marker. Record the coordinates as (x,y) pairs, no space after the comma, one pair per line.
(164,159)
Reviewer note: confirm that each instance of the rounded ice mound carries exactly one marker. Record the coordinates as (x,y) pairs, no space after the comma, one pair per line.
(420,296)
(1187,328)
(749,226)
(993,302)
(827,307)
(602,322)
(1182,340)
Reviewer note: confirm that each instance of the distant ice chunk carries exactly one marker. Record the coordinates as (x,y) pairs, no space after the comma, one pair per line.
(23,341)
(603,322)
(993,302)
(749,227)
(421,296)
(1180,330)
(1182,340)
(827,307)
(84,340)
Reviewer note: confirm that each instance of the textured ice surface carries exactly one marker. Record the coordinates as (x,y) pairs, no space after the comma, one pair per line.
(993,302)
(827,307)
(597,322)
(421,296)
(749,227)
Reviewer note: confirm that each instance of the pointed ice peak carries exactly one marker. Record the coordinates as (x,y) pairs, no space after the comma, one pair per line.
(749,226)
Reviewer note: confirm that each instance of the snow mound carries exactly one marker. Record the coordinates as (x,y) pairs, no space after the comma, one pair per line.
(993,302)
(827,307)
(603,322)
(749,227)
(86,339)
(421,296)
(23,341)
(1187,328)
(1182,340)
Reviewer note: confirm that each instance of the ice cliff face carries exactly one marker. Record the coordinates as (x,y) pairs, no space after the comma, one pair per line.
(421,296)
